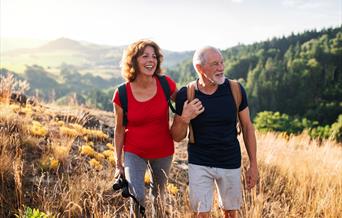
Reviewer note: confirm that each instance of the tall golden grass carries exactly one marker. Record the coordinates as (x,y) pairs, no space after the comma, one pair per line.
(299,178)
(53,169)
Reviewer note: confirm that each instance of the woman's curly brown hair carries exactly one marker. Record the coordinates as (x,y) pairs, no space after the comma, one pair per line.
(129,59)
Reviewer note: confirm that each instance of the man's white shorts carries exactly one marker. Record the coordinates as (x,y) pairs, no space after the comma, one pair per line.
(202,180)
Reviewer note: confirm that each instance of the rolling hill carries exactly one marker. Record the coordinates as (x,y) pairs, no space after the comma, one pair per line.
(101,60)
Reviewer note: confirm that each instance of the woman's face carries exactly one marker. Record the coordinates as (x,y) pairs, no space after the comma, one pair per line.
(147,62)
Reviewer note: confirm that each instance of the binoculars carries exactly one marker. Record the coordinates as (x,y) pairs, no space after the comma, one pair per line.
(121,183)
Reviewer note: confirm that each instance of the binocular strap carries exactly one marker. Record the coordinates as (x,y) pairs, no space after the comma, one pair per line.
(141,208)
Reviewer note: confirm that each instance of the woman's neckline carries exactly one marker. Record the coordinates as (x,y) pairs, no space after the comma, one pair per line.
(148,99)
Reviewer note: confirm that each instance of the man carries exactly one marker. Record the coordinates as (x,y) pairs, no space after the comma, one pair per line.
(215,156)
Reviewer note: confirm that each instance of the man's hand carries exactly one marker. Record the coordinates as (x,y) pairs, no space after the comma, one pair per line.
(252,176)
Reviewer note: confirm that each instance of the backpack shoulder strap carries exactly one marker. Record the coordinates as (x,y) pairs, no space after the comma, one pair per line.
(237,96)
(190,95)
(167,91)
(124,102)
(236,91)
(190,91)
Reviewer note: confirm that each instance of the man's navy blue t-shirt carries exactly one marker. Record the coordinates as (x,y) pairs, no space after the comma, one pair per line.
(215,132)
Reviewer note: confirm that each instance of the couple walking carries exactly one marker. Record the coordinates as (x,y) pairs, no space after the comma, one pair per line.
(143,138)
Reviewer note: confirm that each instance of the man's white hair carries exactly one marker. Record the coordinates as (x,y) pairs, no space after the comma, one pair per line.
(199,55)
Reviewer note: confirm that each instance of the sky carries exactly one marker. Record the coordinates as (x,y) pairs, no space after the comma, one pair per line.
(176,25)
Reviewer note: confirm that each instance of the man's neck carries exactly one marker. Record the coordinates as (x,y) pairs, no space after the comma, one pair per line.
(206,86)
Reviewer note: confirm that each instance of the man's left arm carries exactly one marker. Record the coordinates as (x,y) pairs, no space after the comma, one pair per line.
(250,143)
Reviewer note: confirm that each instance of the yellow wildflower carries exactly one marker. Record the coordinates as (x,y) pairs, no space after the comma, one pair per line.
(48,163)
(60,123)
(53,163)
(78,127)
(87,150)
(147,178)
(172,188)
(68,131)
(91,144)
(38,129)
(110,146)
(95,164)
(99,156)
(97,134)
(111,160)
(108,153)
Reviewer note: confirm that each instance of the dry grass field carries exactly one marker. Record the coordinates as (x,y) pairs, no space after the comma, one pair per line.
(66,170)
(61,162)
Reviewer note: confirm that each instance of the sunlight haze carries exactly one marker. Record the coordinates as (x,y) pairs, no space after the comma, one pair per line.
(176,25)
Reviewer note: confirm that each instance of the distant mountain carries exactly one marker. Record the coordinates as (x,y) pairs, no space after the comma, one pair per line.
(86,57)
(63,44)
(8,44)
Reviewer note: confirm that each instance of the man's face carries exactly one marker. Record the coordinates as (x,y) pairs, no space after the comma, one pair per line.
(213,69)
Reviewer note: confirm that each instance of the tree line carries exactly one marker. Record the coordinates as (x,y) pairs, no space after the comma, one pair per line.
(299,75)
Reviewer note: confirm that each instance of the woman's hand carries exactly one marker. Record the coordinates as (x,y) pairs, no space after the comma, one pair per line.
(181,122)
(191,110)
(119,169)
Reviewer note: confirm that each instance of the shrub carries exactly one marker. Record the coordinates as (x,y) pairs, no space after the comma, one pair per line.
(320,132)
(9,85)
(274,121)
(336,129)
(33,213)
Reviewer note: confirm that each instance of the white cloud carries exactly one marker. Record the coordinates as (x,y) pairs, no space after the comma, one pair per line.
(304,4)
(290,3)
(237,1)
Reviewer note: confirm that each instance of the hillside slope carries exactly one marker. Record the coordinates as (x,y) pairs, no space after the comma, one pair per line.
(60,160)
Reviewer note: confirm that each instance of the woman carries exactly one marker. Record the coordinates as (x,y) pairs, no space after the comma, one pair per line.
(146,139)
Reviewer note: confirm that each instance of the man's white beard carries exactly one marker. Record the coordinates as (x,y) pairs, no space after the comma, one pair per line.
(219,80)
(216,80)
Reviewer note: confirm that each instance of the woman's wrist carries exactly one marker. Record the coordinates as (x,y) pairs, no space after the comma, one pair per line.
(185,119)
(118,162)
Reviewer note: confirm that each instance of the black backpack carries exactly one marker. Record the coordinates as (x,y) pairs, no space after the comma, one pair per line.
(123,97)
